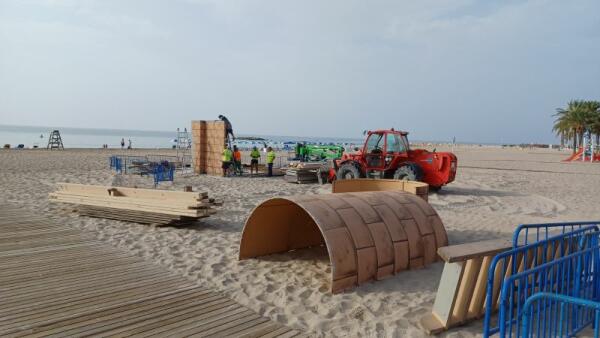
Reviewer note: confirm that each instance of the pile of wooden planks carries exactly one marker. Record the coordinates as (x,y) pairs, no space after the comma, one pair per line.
(302,172)
(148,206)
(300,176)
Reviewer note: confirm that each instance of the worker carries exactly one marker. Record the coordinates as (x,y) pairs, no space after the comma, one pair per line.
(303,152)
(237,160)
(255,155)
(228,127)
(227,157)
(270,160)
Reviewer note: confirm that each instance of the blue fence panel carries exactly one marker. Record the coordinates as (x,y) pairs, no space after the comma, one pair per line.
(572,275)
(163,172)
(524,258)
(526,233)
(559,312)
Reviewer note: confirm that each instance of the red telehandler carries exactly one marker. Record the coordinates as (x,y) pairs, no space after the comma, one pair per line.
(386,154)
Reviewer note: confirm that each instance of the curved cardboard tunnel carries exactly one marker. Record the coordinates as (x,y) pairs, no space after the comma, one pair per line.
(368,235)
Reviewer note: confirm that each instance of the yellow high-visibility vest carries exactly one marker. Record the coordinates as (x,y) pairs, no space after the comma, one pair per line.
(271,157)
(227,155)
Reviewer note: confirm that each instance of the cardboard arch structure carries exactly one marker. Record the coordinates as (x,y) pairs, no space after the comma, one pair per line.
(368,235)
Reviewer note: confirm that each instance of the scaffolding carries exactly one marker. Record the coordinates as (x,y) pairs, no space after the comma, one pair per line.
(55,141)
(184,151)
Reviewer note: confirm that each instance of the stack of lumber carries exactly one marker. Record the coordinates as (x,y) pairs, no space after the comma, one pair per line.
(300,176)
(208,140)
(148,206)
(305,165)
(302,172)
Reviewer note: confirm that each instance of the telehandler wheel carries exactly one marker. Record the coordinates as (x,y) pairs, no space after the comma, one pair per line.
(409,171)
(348,171)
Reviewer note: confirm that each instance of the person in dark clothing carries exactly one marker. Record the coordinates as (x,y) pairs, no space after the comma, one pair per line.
(228,127)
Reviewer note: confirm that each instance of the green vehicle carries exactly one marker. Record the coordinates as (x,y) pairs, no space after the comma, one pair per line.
(310,152)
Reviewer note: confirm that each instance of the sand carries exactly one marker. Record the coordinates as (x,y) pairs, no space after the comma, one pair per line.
(495,190)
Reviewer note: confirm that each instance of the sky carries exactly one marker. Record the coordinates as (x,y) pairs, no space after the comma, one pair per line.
(481,71)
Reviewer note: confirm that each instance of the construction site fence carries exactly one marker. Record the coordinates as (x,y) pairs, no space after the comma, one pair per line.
(507,293)
(144,164)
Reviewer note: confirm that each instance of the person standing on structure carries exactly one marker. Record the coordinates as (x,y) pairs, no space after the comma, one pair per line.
(255,155)
(228,127)
(270,159)
(226,158)
(237,160)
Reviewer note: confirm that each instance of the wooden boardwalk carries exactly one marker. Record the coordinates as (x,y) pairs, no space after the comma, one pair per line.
(58,281)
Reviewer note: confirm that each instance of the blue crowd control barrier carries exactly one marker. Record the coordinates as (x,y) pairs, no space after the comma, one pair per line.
(524,258)
(572,275)
(557,315)
(526,233)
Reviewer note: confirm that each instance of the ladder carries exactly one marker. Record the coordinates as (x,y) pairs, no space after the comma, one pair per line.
(55,141)
(184,150)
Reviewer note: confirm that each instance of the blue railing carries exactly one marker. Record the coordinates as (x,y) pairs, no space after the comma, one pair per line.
(542,231)
(163,172)
(116,164)
(525,258)
(559,313)
(572,275)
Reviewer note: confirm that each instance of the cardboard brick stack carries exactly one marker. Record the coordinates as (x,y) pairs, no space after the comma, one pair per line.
(208,139)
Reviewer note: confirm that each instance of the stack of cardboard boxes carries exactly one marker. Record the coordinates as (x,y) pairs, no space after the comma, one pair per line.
(208,140)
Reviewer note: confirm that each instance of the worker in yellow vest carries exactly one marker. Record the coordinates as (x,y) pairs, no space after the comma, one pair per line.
(227,158)
(255,156)
(270,160)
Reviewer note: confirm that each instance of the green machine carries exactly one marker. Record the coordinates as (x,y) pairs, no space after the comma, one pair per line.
(311,152)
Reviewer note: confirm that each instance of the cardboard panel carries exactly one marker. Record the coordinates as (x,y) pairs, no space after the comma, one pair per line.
(367,264)
(342,251)
(365,211)
(383,244)
(358,229)
(392,222)
(401,256)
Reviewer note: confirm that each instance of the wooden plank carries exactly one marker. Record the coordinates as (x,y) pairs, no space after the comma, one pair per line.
(228,327)
(131,192)
(139,206)
(54,281)
(465,290)
(277,333)
(258,330)
(130,200)
(446,298)
(99,321)
(463,252)
(476,307)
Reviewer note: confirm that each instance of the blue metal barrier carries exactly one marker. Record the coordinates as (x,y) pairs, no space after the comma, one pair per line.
(163,172)
(525,258)
(116,163)
(559,313)
(572,275)
(542,231)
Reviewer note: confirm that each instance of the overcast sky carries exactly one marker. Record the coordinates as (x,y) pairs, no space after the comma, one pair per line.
(483,71)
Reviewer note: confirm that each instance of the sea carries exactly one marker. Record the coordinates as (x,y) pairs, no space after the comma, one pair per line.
(34,136)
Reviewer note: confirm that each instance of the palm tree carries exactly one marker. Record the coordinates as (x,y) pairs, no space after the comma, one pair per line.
(571,122)
(593,110)
(574,121)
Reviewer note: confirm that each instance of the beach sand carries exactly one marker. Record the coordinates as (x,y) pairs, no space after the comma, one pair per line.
(495,190)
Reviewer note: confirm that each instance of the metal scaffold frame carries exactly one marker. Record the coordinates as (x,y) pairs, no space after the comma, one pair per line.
(184,151)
